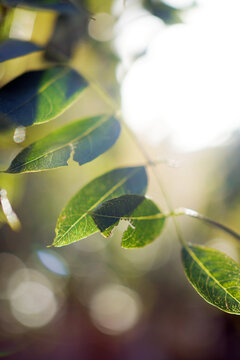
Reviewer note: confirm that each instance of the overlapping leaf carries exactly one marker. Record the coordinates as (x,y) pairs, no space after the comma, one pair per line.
(145,217)
(147,224)
(86,138)
(214,275)
(75,221)
(39,96)
(61,6)
(12,48)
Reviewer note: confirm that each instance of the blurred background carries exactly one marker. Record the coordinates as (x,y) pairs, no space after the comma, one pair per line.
(173,67)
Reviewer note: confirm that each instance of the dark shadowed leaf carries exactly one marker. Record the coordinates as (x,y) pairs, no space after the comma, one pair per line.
(111,211)
(169,14)
(76,223)
(214,275)
(39,96)
(10,49)
(62,6)
(85,138)
(145,217)
(69,30)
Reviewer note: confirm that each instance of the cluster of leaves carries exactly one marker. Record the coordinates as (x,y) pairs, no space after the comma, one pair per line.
(114,196)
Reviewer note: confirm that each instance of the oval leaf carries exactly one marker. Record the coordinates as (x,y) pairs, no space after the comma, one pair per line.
(145,217)
(39,96)
(12,48)
(61,6)
(214,275)
(86,139)
(75,222)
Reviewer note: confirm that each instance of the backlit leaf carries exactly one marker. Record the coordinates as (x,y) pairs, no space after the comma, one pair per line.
(85,138)
(147,224)
(76,223)
(214,275)
(145,217)
(11,48)
(39,96)
(111,211)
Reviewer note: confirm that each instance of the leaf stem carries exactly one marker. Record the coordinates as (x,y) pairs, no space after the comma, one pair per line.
(196,215)
(114,106)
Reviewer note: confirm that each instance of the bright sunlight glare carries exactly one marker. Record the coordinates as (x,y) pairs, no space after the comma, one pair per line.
(186,86)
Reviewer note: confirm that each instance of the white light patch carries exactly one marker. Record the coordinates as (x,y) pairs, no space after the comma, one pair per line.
(188,83)
(115,309)
(32,299)
(19,134)
(11,216)
(22,24)
(134,31)
(35,305)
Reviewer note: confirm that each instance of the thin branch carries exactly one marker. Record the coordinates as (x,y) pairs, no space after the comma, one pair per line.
(196,215)
(115,107)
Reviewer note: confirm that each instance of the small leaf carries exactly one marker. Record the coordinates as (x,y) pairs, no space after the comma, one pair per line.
(61,6)
(111,211)
(11,48)
(75,222)
(214,275)
(146,220)
(86,138)
(39,96)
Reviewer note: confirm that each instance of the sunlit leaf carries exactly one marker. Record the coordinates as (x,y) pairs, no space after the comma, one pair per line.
(85,138)
(62,6)
(214,275)
(147,225)
(75,222)
(145,217)
(11,48)
(39,96)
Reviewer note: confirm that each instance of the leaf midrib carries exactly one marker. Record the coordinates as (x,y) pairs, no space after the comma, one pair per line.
(209,274)
(98,202)
(66,144)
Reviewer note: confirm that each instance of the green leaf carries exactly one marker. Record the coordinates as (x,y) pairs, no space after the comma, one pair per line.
(146,220)
(12,48)
(214,275)
(147,224)
(86,139)
(75,222)
(62,6)
(39,96)
(111,211)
